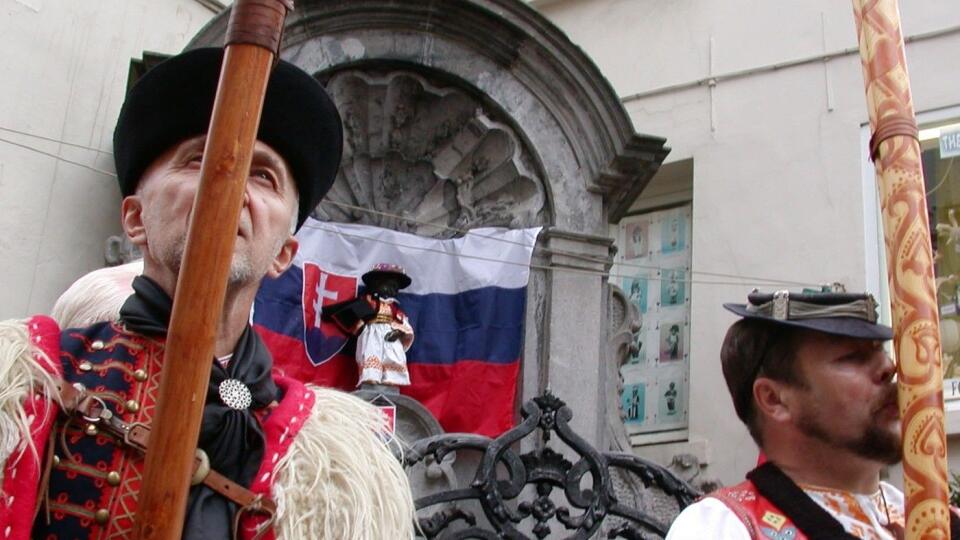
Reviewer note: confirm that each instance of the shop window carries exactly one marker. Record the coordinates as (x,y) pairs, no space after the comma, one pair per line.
(940,156)
(653,269)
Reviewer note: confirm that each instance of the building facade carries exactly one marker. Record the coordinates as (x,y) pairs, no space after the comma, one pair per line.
(763,106)
(66,67)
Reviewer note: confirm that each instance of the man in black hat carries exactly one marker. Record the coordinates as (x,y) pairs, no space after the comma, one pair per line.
(810,378)
(263,434)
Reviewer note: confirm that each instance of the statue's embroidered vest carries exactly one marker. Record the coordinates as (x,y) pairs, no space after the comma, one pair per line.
(762,519)
(392,310)
(94,482)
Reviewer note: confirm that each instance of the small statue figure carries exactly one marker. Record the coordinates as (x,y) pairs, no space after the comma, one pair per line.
(673,342)
(671,395)
(633,411)
(673,291)
(951,230)
(383,331)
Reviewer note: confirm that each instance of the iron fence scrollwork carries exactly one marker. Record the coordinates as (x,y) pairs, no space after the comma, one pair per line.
(568,499)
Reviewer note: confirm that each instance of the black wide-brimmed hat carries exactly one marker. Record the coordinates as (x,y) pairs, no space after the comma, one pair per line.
(837,313)
(174,101)
(388,270)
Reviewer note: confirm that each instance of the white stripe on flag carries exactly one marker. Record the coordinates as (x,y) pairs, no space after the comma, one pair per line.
(482,258)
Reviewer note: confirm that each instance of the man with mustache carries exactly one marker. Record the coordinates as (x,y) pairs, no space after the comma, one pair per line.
(275,457)
(810,378)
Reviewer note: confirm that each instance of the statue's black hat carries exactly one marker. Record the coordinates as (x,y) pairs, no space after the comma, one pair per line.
(388,270)
(174,100)
(837,313)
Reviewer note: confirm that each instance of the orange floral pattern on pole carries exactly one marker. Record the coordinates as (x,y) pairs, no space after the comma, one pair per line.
(910,269)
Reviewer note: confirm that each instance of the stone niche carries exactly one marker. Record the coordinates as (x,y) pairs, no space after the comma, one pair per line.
(430,160)
(468,113)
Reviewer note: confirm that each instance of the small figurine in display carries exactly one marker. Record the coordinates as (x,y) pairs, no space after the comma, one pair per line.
(671,395)
(383,331)
(674,234)
(673,291)
(639,242)
(673,341)
(633,411)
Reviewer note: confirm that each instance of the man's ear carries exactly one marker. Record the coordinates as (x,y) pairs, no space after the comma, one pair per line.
(284,257)
(773,399)
(131,218)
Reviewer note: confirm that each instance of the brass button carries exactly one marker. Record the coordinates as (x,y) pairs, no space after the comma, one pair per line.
(102,516)
(56,460)
(113,478)
(91,430)
(140,375)
(85,366)
(132,405)
(97,345)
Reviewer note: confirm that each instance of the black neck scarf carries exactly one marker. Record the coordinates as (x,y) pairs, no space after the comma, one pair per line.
(232,439)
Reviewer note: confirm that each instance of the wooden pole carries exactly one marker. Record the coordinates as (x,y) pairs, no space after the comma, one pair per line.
(201,285)
(895,150)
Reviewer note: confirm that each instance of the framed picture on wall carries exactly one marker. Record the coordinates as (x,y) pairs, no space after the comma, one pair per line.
(633,403)
(671,341)
(673,231)
(673,287)
(636,239)
(671,401)
(637,291)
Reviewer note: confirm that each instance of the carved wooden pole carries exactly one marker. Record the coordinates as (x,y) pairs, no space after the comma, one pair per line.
(895,150)
(253,38)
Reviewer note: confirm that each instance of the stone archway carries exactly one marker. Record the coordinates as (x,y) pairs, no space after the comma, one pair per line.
(465,113)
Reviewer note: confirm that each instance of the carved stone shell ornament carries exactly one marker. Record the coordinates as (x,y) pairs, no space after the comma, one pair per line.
(427,160)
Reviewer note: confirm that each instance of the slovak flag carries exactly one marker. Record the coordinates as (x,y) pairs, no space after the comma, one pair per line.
(466,306)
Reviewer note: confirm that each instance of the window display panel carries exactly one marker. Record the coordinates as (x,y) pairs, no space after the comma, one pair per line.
(940,154)
(653,268)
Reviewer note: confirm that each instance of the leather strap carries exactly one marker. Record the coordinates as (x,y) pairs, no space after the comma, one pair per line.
(807,515)
(76,400)
(258,22)
(892,126)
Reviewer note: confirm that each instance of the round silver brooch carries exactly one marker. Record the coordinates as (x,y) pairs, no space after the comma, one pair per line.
(235,394)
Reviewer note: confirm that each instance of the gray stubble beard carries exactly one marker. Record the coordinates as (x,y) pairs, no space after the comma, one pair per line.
(241,269)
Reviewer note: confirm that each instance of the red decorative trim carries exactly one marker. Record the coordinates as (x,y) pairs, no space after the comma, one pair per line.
(21,475)
(279,430)
(122,501)
(750,506)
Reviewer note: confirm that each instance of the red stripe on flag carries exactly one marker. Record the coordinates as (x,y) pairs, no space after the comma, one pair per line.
(290,359)
(469,396)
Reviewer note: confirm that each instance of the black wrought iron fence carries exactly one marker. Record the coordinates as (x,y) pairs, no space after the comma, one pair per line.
(541,492)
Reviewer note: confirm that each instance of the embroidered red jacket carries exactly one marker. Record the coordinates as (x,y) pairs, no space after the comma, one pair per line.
(93,482)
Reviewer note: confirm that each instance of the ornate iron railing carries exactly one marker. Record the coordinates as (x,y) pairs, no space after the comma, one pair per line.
(512,511)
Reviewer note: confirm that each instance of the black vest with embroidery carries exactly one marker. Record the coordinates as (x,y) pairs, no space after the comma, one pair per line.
(94,482)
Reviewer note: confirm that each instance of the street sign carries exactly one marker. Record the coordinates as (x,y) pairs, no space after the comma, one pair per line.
(949,144)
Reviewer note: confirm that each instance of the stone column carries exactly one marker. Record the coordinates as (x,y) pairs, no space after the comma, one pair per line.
(574,326)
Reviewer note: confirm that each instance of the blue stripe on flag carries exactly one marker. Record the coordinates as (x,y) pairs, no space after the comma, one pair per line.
(279,303)
(484,324)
